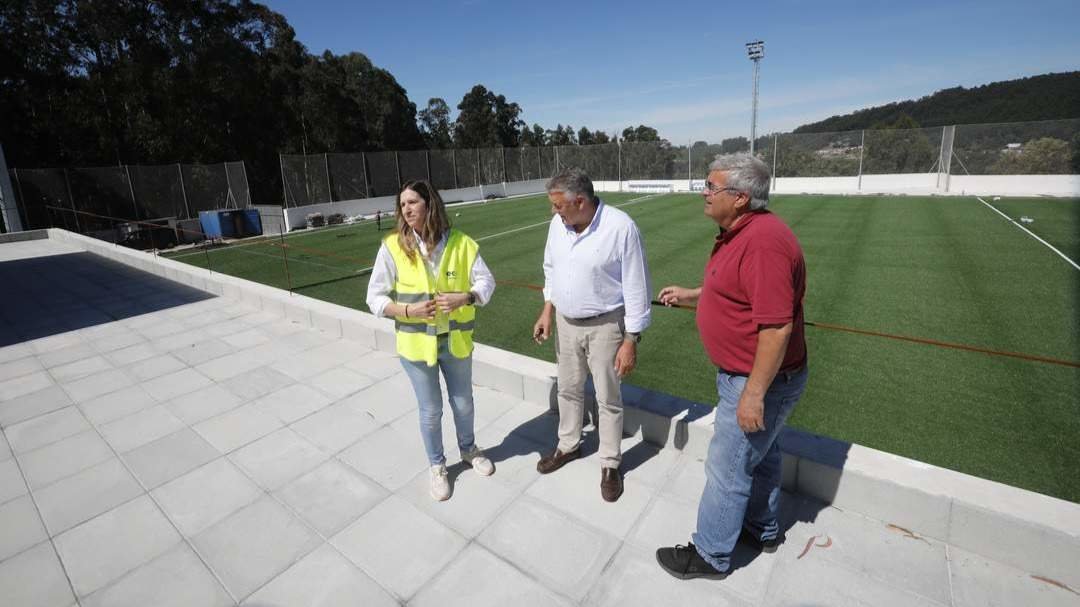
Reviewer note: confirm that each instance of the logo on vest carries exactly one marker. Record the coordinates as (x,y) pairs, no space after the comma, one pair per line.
(451,274)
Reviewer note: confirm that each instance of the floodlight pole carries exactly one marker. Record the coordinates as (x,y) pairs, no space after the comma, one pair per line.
(755,51)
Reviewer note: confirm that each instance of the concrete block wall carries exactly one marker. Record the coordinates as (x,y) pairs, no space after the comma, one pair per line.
(1016,527)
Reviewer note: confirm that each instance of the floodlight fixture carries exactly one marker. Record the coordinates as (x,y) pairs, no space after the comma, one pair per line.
(755,51)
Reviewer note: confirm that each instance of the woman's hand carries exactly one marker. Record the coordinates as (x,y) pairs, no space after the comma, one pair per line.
(448,302)
(420,309)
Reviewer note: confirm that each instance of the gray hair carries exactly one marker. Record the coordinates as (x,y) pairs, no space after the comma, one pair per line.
(745,174)
(573,181)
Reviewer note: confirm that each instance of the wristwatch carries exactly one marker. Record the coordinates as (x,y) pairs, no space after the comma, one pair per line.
(634,337)
(471,298)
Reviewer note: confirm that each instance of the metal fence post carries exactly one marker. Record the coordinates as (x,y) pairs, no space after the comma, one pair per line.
(247,184)
(397,166)
(862,148)
(329,186)
(367,174)
(71,201)
(131,188)
(619,143)
(228,187)
(427,160)
(284,184)
(774,145)
(183,190)
(453,161)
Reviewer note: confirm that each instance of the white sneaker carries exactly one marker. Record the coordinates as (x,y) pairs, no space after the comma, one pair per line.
(440,484)
(479,462)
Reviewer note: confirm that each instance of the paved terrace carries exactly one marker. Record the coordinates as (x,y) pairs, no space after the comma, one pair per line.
(164,446)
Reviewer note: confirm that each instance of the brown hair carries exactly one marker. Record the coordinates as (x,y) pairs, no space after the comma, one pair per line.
(436,224)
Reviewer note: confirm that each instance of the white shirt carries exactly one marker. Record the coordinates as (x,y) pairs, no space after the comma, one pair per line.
(384,275)
(600,270)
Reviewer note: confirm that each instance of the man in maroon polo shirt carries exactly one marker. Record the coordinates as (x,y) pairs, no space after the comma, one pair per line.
(750,317)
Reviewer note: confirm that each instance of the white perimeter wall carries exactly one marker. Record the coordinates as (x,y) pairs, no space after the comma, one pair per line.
(296,217)
(907,183)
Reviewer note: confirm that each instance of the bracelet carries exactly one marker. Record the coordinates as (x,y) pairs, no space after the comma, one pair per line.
(406,310)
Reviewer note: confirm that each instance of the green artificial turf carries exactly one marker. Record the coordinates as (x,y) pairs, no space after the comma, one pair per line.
(933,268)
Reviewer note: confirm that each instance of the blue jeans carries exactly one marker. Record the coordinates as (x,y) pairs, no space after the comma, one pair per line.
(425,382)
(742,471)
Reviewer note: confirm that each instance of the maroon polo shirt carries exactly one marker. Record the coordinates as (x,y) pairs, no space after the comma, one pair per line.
(756,276)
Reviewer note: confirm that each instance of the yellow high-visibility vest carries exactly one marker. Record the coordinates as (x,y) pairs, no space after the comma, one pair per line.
(417,338)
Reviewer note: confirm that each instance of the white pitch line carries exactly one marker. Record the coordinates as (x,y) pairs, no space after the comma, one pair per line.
(1030,233)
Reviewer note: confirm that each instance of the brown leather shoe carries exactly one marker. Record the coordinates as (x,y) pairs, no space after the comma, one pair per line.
(556,460)
(611,484)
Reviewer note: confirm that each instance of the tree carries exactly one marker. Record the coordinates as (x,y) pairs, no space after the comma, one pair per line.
(641,133)
(734,145)
(899,147)
(435,124)
(562,135)
(601,137)
(585,137)
(1045,156)
(487,120)
(533,137)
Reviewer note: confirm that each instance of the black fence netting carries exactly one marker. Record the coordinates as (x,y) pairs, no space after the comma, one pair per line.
(414,165)
(491,166)
(442,169)
(348,177)
(467,163)
(383,173)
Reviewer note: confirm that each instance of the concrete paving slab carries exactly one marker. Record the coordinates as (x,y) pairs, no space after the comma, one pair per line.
(514,456)
(11,481)
(474,502)
(376,364)
(560,551)
(575,489)
(331,496)
(977,582)
(63,458)
(20,527)
(155,366)
(80,368)
(278,458)
(294,402)
(175,579)
(386,542)
(12,352)
(46,429)
(35,578)
(665,522)
(78,351)
(131,354)
(633,579)
(140,428)
(5,449)
(814,582)
(252,546)
(387,456)
(83,496)
(31,405)
(169,457)
(118,341)
(19,367)
(168,387)
(501,584)
(334,427)
(203,404)
(236,428)
(24,384)
(101,550)
(87,388)
(323,578)
(386,400)
(256,383)
(205,496)
(339,382)
(117,405)
(203,351)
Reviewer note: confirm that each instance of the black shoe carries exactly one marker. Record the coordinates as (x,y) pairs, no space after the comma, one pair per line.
(685,563)
(765,546)
(556,460)
(611,485)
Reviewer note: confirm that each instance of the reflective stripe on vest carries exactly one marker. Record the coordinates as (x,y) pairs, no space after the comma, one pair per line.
(417,337)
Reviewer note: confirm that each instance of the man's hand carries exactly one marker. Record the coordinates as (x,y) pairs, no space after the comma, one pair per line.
(674,295)
(625,358)
(421,309)
(542,328)
(448,302)
(750,413)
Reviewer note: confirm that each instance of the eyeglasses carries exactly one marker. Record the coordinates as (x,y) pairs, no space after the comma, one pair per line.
(712,188)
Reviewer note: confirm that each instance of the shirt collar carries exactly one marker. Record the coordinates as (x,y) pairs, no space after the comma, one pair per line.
(423,247)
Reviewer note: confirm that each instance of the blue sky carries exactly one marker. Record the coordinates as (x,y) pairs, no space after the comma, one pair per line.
(681,67)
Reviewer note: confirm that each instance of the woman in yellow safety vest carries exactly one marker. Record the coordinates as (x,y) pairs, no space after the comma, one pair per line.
(429,278)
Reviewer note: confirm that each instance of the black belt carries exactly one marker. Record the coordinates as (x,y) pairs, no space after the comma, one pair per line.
(786,373)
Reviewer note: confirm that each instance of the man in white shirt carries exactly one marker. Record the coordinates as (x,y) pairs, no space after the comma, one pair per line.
(597,279)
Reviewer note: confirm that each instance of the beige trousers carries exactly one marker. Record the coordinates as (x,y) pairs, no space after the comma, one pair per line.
(584,347)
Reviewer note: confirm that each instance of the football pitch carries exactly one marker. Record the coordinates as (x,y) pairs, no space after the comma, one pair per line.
(942,332)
